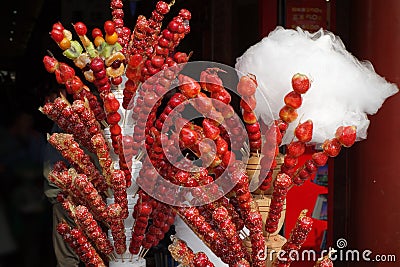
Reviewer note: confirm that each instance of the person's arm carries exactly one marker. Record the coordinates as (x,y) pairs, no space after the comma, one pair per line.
(51,156)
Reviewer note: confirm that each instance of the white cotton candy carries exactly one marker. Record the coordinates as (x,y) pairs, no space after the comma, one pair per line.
(343,90)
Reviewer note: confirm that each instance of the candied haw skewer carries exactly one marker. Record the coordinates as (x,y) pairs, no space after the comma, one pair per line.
(270,151)
(303,133)
(103,154)
(63,72)
(204,230)
(61,36)
(119,187)
(74,85)
(81,29)
(72,48)
(161,60)
(101,80)
(297,237)
(211,82)
(138,44)
(110,52)
(105,161)
(147,177)
(293,100)
(141,213)
(173,102)
(247,88)
(67,203)
(84,219)
(185,179)
(281,187)
(251,216)
(144,38)
(57,34)
(169,39)
(185,256)
(325,262)
(74,125)
(111,35)
(59,176)
(86,115)
(163,217)
(241,190)
(221,217)
(200,259)
(155,88)
(149,92)
(180,251)
(287,114)
(90,194)
(133,75)
(178,27)
(103,85)
(191,89)
(215,240)
(155,21)
(223,99)
(157,155)
(62,114)
(111,106)
(94,103)
(344,136)
(242,263)
(63,180)
(118,19)
(71,151)
(77,240)
(237,133)
(236,219)
(117,228)
(253,222)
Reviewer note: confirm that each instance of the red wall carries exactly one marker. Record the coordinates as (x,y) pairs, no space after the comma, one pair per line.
(375,163)
(371,29)
(298,199)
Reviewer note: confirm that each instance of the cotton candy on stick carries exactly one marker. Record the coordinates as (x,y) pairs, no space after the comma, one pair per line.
(344,90)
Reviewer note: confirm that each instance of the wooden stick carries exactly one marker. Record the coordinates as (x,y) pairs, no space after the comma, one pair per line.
(146,251)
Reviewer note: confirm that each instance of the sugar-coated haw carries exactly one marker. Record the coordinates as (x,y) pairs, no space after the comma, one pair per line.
(332,147)
(247,85)
(304,131)
(293,100)
(320,158)
(300,83)
(288,114)
(346,135)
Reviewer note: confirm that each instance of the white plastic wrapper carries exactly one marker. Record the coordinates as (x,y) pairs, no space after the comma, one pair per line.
(194,242)
(343,89)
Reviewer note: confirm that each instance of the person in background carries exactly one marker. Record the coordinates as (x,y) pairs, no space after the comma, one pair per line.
(65,256)
(21,157)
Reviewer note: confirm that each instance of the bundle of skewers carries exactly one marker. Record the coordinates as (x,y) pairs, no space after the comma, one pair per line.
(144,67)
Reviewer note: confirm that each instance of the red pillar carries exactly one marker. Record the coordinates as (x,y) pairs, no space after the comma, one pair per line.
(375,163)
(268,16)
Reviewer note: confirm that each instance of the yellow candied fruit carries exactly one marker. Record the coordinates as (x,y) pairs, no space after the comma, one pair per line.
(98,41)
(112,39)
(64,44)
